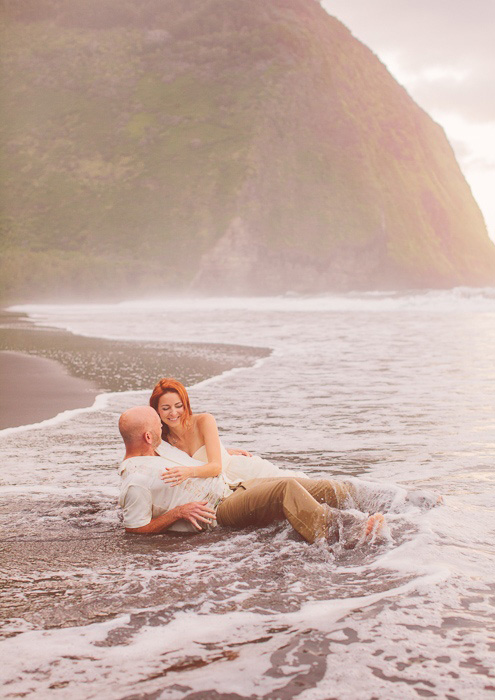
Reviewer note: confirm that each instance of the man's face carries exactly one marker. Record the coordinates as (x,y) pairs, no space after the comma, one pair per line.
(156,431)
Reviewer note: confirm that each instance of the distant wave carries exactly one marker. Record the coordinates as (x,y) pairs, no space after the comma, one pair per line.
(435,301)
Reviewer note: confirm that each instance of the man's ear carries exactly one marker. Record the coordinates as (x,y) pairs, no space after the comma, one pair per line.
(148,437)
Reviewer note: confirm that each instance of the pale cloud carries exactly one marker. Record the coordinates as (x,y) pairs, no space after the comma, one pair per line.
(443,52)
(474,97)
(474,146)
(426,31)
(446,36)
(447,88)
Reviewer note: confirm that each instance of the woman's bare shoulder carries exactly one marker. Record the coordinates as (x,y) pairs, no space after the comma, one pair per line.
(205,423)
(204,418)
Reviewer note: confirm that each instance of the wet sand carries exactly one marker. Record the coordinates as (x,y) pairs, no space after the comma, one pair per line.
(36,388)
(44,371)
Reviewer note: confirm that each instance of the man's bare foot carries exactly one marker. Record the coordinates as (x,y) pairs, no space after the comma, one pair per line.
(374,523)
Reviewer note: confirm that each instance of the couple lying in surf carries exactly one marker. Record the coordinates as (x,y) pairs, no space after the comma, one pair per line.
(176,475)
(197,435)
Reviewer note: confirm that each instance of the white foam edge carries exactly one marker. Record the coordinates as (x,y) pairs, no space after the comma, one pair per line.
(100,402)
(31,490)
(186,631)
(230,372)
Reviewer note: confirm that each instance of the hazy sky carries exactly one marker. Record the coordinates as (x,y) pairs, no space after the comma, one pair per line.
(443,52)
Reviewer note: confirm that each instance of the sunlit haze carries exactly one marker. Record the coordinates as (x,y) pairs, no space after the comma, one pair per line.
(443,53)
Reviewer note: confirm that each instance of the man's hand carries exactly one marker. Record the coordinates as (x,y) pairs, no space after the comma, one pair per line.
(244,453)
(197,510)
(173,476)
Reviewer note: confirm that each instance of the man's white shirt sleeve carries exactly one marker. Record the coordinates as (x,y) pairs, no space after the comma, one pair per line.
(137,506)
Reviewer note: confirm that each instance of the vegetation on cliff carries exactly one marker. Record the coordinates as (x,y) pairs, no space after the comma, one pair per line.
(247,146)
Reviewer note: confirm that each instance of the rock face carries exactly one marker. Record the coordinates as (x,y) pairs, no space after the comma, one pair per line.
(232,147)
(240,263)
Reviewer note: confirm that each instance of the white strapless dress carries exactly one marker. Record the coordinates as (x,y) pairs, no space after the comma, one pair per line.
(237,468)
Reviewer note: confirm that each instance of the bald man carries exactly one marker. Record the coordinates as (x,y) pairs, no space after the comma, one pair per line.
(151,506)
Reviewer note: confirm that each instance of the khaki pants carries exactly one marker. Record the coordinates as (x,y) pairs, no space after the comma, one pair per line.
(263,501)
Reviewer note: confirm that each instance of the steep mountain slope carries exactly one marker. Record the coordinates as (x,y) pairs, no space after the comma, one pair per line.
(231,146)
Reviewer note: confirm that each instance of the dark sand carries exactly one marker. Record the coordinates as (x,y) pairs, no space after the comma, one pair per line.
(45,371)
(49,539)
(35,388)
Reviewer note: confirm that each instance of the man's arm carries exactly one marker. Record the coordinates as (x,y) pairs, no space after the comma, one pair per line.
(195,512)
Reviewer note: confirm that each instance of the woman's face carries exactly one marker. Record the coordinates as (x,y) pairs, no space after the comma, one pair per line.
(170,409)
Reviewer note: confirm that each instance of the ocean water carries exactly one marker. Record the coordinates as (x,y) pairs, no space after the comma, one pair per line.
(396,391)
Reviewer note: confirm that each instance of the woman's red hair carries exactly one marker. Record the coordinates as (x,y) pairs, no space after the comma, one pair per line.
(163,387)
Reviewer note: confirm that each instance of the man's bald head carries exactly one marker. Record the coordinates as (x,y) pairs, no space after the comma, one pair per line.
(140,425)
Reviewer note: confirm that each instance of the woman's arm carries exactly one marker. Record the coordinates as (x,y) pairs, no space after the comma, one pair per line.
(208,432)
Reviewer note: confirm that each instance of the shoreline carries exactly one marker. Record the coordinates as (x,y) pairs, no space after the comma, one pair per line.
(45,371)
(37,388)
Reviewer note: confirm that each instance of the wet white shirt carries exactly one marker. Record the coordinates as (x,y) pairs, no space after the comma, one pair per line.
(144,496)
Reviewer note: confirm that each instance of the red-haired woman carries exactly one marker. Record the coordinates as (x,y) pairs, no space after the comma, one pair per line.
(197,434)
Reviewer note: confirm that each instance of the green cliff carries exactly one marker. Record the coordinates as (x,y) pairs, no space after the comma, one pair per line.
(226,146)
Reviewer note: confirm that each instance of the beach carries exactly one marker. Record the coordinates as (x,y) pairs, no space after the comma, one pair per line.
(394,392)
(36,388)
(45,371)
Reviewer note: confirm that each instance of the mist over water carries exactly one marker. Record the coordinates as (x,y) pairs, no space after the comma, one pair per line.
(397,391)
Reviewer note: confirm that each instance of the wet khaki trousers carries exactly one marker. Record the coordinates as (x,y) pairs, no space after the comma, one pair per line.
(263,501)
